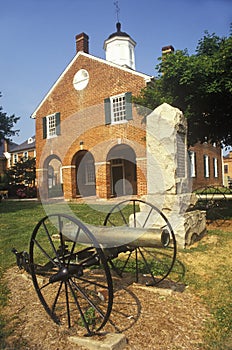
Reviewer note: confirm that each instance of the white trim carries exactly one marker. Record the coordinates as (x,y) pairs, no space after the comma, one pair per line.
(146,77)
(42,169)
(68,167)
(102,163)
(141,158)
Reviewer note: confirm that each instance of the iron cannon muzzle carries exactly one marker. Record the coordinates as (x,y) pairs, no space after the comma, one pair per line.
(165,238)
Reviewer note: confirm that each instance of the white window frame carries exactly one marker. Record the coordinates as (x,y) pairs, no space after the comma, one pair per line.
(206,165)
(192,157)
(215,167)
(118,109)
(51,126)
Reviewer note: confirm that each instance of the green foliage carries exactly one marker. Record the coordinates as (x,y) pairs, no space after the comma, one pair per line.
(6,125)
(200,85)
(23,172)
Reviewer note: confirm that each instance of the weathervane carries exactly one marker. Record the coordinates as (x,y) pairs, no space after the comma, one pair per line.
(117,9)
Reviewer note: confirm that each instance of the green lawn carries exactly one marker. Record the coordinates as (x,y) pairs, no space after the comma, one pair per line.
(208,264)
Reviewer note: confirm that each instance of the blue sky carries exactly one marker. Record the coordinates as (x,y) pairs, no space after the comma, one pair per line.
(38,40)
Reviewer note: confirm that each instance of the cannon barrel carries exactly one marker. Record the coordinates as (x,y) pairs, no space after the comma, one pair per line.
(121,235)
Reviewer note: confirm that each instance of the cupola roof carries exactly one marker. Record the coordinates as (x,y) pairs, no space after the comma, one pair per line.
(118,32)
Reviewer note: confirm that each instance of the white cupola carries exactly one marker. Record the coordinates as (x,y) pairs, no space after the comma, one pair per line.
(120,48)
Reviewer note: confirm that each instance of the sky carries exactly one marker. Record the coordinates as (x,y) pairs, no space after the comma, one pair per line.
(38,40)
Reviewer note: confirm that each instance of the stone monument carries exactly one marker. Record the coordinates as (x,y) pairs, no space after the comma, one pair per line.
(169,185)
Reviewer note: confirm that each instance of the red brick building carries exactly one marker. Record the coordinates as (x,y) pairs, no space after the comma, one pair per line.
(205,165)
(89,137)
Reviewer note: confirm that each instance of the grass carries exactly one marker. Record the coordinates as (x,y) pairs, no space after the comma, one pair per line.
(208,264)
(208,275)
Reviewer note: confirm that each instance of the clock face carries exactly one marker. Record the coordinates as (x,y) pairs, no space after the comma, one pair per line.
(81,79)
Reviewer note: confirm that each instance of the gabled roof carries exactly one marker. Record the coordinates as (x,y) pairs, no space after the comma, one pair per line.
(28,144)
(9,147)
(146,77)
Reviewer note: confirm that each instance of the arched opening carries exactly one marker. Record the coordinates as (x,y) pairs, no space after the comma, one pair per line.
(85,174)
(54,181)
(123,179)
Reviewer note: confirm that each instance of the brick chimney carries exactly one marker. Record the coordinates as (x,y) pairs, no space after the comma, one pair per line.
(167,49)
(82,43)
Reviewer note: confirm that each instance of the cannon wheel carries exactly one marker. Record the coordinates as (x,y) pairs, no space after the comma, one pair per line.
(213,200)
(151,265)
(72,280)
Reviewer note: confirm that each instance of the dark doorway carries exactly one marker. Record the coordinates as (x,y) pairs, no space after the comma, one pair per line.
(123,180)
(85,174)
(118,187)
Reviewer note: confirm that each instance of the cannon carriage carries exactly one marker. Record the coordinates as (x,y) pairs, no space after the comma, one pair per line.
(73,265)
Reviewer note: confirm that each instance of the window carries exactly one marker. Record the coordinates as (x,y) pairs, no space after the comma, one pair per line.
(81,79)
(15,158)
(226,169)
(206,165)
(192,158)
(25,155)
(89,173)
(51,126)
(118,109)
(215,167)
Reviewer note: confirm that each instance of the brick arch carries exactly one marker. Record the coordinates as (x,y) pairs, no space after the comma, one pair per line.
(49,177)
(49,159)
(123,170)
(83,174)
(99,140)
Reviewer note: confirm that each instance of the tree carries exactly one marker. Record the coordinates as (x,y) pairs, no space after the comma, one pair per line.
(22,172)
(6,125)
(200,85)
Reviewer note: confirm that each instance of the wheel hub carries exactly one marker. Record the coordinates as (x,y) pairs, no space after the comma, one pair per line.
(65,273)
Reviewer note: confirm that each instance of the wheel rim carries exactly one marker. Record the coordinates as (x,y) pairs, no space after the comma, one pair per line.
(213,200)
(149,265)
(72,279)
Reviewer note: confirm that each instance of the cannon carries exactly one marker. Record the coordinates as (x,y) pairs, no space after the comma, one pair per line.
(73,265)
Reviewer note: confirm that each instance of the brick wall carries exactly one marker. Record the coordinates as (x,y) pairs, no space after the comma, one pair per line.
(200,180)
(83,122)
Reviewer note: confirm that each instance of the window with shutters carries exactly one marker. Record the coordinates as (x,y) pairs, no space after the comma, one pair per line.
(51,126)
(118,109)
